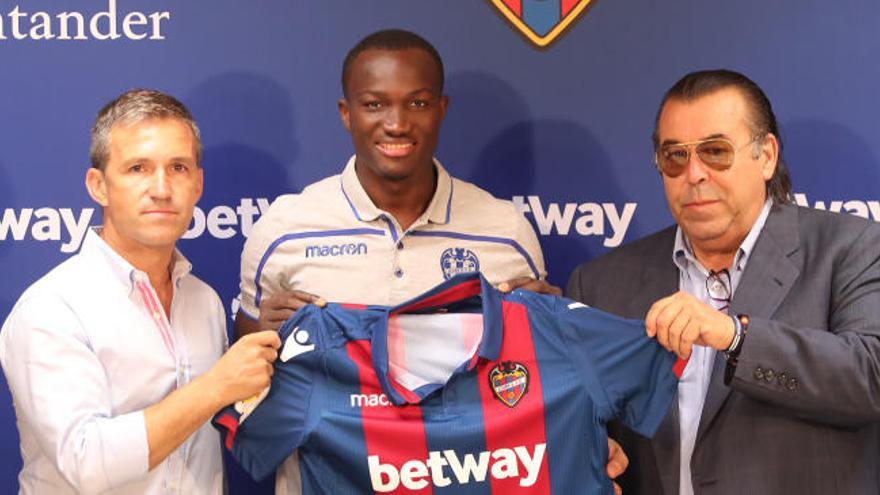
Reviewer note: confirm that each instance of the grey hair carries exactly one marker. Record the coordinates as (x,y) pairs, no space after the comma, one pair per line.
(133,107)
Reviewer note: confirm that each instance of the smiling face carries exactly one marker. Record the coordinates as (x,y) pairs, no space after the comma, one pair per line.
(393,109)
(150,185)
(716,209)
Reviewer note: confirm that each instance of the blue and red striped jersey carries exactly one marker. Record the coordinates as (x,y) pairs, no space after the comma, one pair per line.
(460,390)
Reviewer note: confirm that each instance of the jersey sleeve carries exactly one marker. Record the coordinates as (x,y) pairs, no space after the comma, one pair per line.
(262,431)
(630,376)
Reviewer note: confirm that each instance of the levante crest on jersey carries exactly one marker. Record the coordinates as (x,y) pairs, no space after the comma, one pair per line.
(541,21)
(509,381)
(458,260)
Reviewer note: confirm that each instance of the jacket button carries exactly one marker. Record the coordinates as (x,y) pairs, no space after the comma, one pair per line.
(769,375)
(782,379)
(759,373)
(792,384)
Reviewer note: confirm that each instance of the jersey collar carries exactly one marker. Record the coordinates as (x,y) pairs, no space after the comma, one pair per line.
(457,290)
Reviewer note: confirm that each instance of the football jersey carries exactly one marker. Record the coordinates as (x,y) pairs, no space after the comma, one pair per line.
(460,390)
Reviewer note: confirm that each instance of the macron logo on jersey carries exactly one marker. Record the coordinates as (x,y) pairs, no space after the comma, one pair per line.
(369,400)
(296,343)
(500,464)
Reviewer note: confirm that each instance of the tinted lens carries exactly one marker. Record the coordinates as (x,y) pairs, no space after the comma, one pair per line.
(673,159)
(717,154)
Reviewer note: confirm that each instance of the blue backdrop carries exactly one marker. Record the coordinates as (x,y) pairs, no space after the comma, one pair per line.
(562,130)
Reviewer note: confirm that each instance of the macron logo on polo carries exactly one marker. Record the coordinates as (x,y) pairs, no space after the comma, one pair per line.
(344,249)
(416,474)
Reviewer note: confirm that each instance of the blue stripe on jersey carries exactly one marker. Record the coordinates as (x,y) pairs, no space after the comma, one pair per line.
(572,428)
(337,432)
(483,238)
(466,434)
(258,294)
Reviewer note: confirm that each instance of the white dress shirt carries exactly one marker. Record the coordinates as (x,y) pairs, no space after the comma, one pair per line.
(85,350)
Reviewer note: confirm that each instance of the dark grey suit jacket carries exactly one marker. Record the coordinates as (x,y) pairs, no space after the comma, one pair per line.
(799,416)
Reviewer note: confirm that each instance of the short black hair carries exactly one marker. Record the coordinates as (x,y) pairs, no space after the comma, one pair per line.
(393,40)
(761,121)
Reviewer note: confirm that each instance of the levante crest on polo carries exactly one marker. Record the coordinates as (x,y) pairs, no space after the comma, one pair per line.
(541,21)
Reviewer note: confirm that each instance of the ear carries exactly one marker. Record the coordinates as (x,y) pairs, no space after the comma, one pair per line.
(444,103)
(344,113)
(769,156)
(96,184)
(200,185)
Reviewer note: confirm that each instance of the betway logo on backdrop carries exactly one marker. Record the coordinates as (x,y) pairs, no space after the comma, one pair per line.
(606,220)
(27,21)
(69,227)
(610,221)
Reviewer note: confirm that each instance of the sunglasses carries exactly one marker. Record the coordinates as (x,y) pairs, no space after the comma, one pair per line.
(716,153)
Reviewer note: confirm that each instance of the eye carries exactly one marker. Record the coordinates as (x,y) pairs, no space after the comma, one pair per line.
(676,154)
(179,167)
(136,168)
(419,103)
(372,104)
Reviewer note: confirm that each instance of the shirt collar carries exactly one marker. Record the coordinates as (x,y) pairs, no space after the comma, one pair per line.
(363,208)
(454,290)
(123,271)
(683,254)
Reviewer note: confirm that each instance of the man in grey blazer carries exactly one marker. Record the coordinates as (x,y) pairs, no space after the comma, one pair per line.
(776,306)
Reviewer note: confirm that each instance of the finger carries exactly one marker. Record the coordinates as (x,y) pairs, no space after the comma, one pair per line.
(689,336)
(666,318)
(304,298)
(265,338)
(677,330)
(651,317)
(268,354)
(541,287)
(515,283)
(273,319)
(617,460)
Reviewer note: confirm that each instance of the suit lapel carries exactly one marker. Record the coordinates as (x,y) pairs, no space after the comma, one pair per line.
(769,276)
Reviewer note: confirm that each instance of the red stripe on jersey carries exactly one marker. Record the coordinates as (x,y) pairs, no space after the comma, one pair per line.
(231,425)
(456,293)
(352,306)
(523,424)
(566,6)
(679,366)
(515,6)
(395,434)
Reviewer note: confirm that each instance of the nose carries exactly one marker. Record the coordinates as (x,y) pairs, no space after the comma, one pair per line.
(696,170)
(396,120)
(160,186)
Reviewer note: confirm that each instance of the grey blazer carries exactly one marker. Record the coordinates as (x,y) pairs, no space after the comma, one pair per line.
(799,416)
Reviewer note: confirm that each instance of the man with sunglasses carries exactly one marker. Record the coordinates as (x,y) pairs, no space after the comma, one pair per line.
(776,306)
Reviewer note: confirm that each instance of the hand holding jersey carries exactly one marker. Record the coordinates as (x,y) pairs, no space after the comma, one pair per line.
(681,321)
